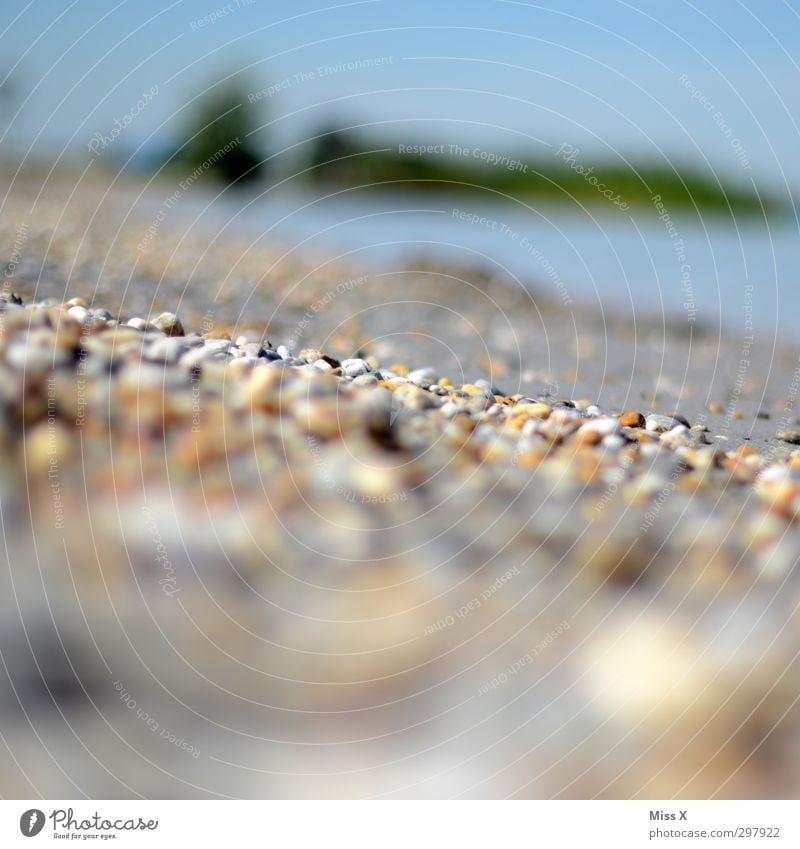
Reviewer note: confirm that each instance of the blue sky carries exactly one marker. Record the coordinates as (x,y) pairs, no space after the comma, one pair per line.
(711,83)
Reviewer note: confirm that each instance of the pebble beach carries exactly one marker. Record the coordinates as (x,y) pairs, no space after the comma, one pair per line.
(280,525)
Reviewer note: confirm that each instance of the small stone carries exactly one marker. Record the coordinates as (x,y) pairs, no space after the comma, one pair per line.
(790,436)
(586,436)
(535,410)
(450,408)
(421,375)
(632,418)
(782,497)
(170,324)
(241,365)
(676,436)
(659,424)
(46,445)
(218,345)
(32,359)
(354,367)
(679,418)
(195,356)
(166,349)
(80,314)
(604,425)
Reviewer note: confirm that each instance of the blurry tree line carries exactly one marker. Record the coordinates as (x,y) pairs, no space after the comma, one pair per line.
(222,138)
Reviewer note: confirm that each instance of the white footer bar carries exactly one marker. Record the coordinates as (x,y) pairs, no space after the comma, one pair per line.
(402,824)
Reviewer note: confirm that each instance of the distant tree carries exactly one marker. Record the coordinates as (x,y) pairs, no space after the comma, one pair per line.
(217,136)
(330,154)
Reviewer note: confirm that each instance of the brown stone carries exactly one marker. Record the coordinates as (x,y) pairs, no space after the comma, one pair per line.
(633,418)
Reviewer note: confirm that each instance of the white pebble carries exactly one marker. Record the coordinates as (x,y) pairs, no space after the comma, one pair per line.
(449,408)
(354,367)
(679,435)
(660,424)
(81,314)
(613,440)
(422,375)
(605,425)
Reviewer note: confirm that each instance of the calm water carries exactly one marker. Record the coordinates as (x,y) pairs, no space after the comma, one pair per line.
(684,266)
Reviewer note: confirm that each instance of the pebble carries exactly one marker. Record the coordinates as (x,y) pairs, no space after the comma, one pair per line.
(355,367)
(632,419)
(365,381)
(170,324)
(677,436)
(422,375)
(604,425)
(680,418)
(534,410)
(659,424)
(167,350)
(79,313)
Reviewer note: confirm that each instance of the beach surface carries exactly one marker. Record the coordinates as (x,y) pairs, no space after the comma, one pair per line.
(277,525)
